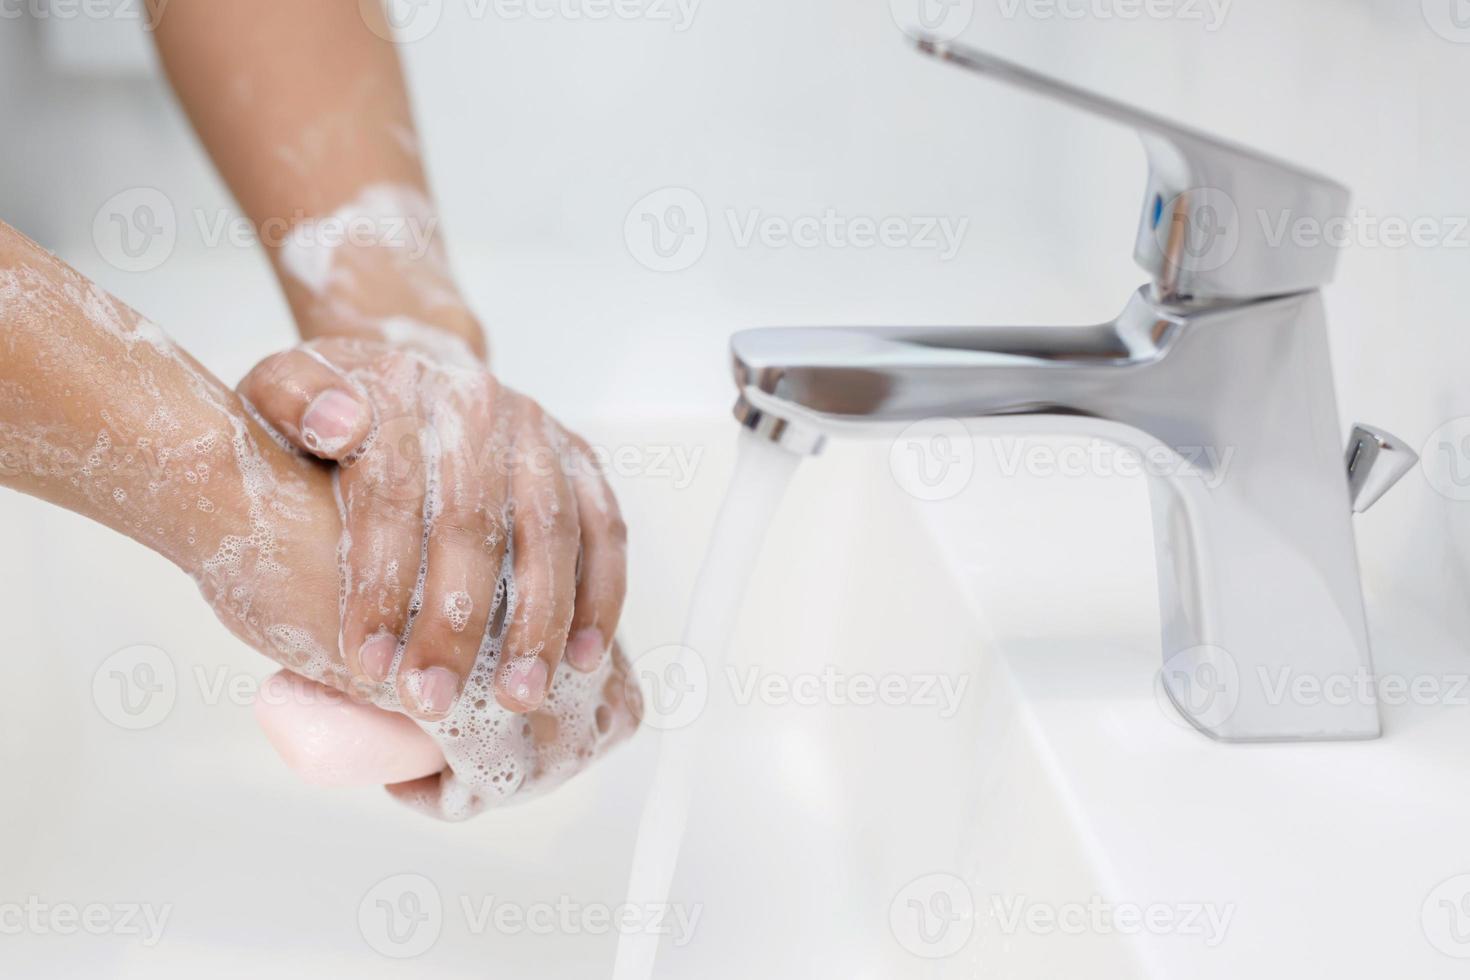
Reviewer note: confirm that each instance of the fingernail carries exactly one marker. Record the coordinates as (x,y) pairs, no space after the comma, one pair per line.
(586,649)
(376,656)
(329,421)
(526,681)
(434,689)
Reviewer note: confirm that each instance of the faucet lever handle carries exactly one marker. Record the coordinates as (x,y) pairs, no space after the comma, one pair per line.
(1376,460)
(1213,217)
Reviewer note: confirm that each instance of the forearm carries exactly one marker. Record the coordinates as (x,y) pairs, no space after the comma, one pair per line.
(101,414)
(303,108)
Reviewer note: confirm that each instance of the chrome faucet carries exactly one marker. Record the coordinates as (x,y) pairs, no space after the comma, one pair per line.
(1225,350)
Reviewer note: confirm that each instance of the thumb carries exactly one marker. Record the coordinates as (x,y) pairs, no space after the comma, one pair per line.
(310,403)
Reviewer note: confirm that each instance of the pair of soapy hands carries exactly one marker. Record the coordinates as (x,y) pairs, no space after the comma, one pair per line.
(480,545)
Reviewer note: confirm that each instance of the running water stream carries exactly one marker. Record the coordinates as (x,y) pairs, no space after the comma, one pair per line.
(762,472)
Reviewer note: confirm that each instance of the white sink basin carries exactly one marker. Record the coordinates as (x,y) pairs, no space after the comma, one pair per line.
(957,766)
(828,839)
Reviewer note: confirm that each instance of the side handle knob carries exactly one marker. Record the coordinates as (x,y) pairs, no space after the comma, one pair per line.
(1376,460)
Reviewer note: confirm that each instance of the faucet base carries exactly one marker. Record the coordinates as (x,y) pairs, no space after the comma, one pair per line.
(1264,634)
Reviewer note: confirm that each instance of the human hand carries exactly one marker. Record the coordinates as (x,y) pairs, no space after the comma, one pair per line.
(330,739)
(477,539)
(473,522)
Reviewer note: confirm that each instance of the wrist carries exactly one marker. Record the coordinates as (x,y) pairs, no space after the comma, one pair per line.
(359,284)
(266,560)
(426,329)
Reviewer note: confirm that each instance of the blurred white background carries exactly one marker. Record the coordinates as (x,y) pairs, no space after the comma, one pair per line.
(544,134)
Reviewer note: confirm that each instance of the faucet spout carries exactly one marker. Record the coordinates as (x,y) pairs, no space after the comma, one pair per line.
(1257,570)
(833,377)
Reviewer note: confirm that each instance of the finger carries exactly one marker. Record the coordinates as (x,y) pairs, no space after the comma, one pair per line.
(310,402)
(467,544)
(545,537)
(622,709)
(602,574)
(330,740)
(383,548)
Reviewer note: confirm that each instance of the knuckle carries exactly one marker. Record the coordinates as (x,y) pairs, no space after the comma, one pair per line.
(561,522)
(278,367)
(383,607)
(473,530)
(617,530)
(394,512)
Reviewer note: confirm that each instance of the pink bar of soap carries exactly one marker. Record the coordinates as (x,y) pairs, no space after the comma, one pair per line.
(332,741)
